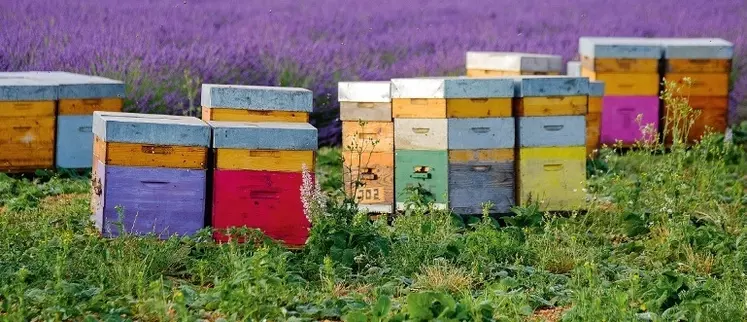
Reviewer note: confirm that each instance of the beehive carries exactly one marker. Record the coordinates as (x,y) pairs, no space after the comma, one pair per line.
(151,169)
(240,103)
(480,141)
(551,112)
(368,144)
(573,68)
(257,177)
(486,64)
(78,97)
(27,123)
(707,62)
(629,69)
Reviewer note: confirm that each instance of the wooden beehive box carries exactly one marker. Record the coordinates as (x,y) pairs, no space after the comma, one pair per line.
(258,175)
(551,141)
(27,123)
(368,143)
(152,169)
(629,68)
(487,64)
(707,62)
(79,96)
(241,103)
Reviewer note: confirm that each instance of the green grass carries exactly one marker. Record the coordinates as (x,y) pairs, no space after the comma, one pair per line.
(664,239)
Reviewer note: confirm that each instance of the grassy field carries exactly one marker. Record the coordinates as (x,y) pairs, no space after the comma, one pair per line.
(664,239)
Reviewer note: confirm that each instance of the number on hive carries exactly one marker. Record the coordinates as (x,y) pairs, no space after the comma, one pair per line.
(369,194)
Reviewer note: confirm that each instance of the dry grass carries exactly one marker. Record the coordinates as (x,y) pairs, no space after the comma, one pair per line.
(443,276)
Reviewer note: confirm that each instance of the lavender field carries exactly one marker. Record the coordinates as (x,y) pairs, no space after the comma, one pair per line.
(164,50)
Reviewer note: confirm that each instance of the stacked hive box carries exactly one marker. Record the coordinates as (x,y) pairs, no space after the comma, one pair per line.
(550,114)
(152,166)
(261,141)
(708,63)
(366,115)
(263,103)
(480,64)
(258,175)
(27,122)
(629,69)
(594,114)
(79,96)
(420,139)
(481,139)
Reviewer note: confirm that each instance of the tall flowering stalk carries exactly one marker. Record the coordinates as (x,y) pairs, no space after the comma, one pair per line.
(314,201)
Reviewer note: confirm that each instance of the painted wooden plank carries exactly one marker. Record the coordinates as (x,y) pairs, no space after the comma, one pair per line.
(366,91)
(366,111)
(12,109)
(486,155)
(620,47)
(421,134)
(713,117)
(262,98)
(478,107)
(264,160)
(27,143)
(152,200)
(486,175)
(573,68)
(419,108)
(697,48)
(551,131)
(264,135)
(151,129)
(626,84)
(621,65)
(375,171)
(74,148)
(98,193)
(711,84)
(236,115)
(427,169)
(592,131)
(514,61)
(553,177)
(451,87)
(527,86)
(370,137)
(24,89)
(86,106)
(620,118)
(596,89)
(501,73)
(80,86)
(268,201)
(698,66)
(480,133)
(149,155)
(595,104)
(552,105)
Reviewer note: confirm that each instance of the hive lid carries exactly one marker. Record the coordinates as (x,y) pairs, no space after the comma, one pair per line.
(259,98)
(15,88)
(264,135)
(620,47)
(78,86)
(452,87)
(542,85)
(368,92)
(697,48)
(514,61)
(151,129)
